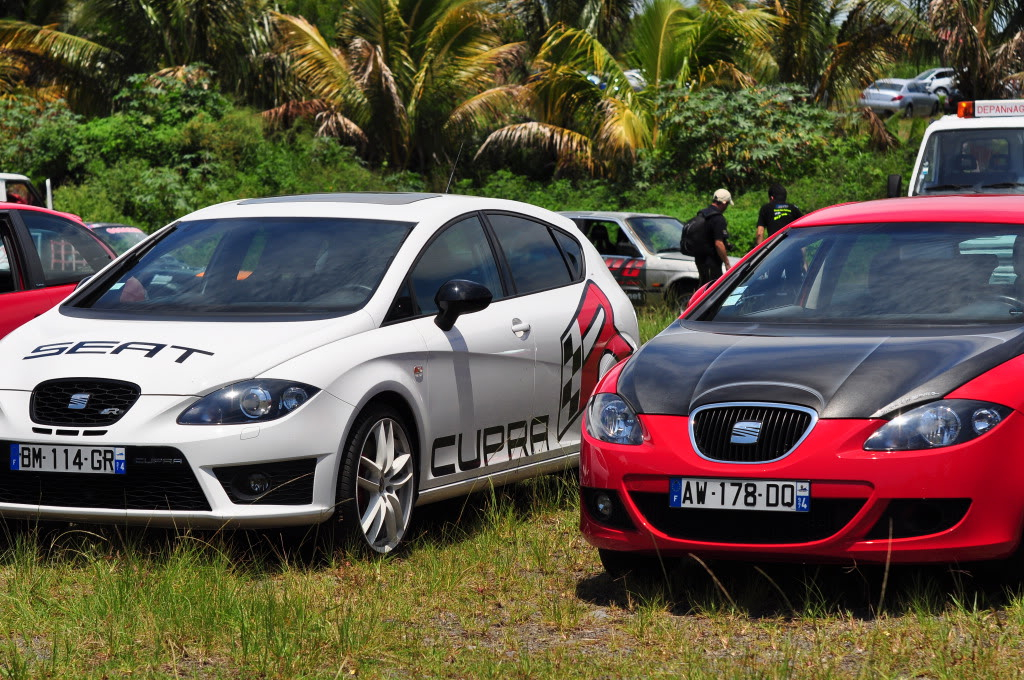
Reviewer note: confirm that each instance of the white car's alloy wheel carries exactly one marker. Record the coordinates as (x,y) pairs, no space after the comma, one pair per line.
(376,485)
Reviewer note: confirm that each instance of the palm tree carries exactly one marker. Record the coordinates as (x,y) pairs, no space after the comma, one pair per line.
(834,47)
(712,43)
(580,123)
(231,37)
(49,62)
(984,41)
(599,128)
(606,20)
(408,81)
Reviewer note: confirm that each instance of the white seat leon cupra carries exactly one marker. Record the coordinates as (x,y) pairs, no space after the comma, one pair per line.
(333,358)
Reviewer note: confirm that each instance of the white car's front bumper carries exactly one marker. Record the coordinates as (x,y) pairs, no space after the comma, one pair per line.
(182,475)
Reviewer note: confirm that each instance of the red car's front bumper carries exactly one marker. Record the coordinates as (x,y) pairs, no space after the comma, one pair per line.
(959,503)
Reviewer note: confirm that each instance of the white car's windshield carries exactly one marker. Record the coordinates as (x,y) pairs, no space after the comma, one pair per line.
(253,266)
(659,234)
(986,160)
(883,274)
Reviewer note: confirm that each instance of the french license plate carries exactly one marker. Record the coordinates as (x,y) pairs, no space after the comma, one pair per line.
(740,494)
(103,460)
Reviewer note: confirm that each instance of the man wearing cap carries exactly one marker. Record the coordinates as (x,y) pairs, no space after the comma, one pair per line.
(710,261)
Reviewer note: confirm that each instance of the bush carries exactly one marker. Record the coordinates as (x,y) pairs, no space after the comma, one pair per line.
(737,139)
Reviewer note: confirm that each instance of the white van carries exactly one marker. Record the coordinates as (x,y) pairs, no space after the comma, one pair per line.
(978,151)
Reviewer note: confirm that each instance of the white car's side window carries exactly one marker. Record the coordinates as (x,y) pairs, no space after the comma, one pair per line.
(462,251)
(531,252)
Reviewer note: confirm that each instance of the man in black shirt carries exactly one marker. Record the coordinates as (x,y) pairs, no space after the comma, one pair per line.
(716,229)
(776,213)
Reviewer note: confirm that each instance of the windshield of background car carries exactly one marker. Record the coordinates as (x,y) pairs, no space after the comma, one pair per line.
(981,160)
(253,266)
(871,274)
(658,234)
(120,238)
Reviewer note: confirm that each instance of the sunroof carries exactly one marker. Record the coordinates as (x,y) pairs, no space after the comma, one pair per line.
(367,197)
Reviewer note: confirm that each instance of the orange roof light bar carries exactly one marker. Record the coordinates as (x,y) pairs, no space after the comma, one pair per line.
(990,108)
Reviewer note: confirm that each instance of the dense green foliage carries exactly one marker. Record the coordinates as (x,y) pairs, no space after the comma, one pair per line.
(177,145)
(742,139)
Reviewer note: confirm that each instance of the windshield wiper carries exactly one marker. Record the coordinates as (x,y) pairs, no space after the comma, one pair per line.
(1002,185)
(947,187)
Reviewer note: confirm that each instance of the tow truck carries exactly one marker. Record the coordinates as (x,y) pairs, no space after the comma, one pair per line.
(980,150)
(19,189)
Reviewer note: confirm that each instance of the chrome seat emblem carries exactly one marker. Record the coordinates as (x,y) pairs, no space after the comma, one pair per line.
(78,401)
(745,432)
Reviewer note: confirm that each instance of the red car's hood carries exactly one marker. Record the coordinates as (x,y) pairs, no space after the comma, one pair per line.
(840,373)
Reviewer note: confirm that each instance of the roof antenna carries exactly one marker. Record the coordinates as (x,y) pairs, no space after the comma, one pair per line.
(452,176)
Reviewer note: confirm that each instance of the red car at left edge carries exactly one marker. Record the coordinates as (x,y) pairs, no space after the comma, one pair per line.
(43,256)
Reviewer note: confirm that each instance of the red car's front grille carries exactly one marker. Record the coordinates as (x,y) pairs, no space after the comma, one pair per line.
(749,433)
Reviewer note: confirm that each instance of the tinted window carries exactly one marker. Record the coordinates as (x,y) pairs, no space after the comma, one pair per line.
(531,253)
(572,251)
(67,251)
(256,266)
(6,270)
(461,251)
(885,274)
(603,234)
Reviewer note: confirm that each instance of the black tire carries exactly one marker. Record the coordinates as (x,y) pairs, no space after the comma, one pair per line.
(941,92)
(909,111)
(376,487)
(679,294)
(627,564)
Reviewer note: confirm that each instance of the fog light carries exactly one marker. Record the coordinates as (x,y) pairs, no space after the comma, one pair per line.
(604,506)
(257,483)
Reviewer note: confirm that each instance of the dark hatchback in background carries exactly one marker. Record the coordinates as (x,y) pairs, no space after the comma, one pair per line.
(642,252)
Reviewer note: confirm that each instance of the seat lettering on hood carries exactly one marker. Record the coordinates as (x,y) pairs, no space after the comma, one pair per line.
(149,349)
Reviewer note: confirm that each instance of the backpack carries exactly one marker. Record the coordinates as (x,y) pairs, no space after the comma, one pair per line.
(691,241)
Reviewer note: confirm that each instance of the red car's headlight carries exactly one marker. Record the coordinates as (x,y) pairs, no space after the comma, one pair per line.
(611,419)
(941,423)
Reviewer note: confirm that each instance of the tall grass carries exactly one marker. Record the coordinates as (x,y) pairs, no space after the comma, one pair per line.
(498,585)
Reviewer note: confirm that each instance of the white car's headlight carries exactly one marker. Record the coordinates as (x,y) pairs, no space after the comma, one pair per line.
(247,402)
(941,423)
(611,419)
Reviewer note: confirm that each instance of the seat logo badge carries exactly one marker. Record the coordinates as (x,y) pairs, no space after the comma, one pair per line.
(745,432)
(78,401)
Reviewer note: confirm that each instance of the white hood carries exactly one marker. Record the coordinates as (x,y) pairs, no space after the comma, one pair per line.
(161,356)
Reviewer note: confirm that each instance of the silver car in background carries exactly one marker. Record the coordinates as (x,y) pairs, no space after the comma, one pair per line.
(899,95)
(642,252)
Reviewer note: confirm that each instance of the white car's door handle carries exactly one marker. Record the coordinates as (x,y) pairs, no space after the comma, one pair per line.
(519,327)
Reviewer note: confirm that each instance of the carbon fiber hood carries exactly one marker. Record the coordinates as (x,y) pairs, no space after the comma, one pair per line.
(839,372)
